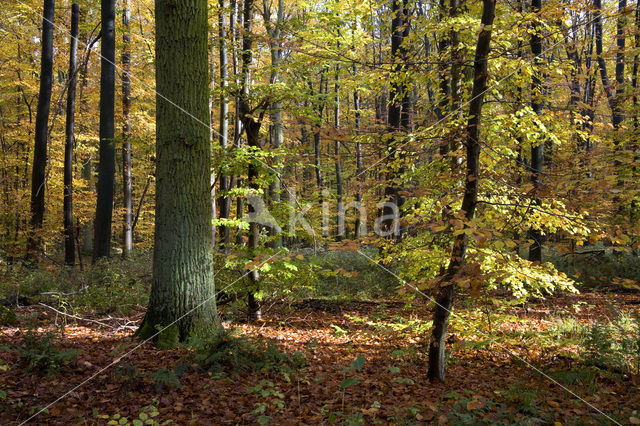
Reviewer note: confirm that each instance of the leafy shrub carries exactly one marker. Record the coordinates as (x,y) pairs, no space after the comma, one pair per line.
(7,316)
(39,353)
(614,344)
(165,378)
(232,353)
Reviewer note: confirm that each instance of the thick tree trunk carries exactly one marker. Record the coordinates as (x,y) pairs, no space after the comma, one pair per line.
(447,291)
(38,177)
(182,294)
(69,238)
(106,166)
(127,237)
(537,102)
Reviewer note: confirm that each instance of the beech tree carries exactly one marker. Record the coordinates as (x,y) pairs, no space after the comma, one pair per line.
(182,293)
(69,234)
(42,122)
(447,291)
(107,165)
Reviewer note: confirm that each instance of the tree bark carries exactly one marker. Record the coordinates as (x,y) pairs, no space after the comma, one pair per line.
(251,127)
(537,100)
(182,293)
(106,165)
(338,163)
(34,242)
(447,291)
(69,238)
(127,237)
(223,137)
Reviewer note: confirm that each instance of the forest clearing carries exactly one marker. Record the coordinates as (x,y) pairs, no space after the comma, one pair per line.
(335,212)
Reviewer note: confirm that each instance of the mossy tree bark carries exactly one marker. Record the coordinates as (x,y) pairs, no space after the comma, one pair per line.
(182,294)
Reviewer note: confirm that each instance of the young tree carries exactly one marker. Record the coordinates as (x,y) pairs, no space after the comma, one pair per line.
(182,293)
(69,239)
(447,291)
(127,237)
(107,165)
(537,102)
(223,137)
(251,123)
(42,118)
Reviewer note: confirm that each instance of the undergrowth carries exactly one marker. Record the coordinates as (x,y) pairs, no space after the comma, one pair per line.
(231,353)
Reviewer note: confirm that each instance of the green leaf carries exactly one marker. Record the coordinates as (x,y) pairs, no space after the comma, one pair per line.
(349,381)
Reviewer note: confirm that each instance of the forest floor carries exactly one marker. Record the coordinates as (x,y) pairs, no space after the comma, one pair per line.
(496,372)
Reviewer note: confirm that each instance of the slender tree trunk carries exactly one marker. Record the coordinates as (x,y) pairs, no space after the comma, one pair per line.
(602,65)
(447,291)
(634,81)
(252,130)
(537,103)
(617,113)
(399,30)
(356,106)
(34,242)
(106,166)
(275,131)
(127,237)
(69,238)
(338,164)
(225,199)
(444,76)
(182,294)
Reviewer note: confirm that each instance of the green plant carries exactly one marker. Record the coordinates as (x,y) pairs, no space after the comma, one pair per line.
(273,400)
(613,344)
(146,416)
(7,316)
(165,378)
(232,353)
(39,353)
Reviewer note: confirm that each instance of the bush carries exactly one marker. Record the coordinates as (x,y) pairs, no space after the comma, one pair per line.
(39,353)
(614,344)
(229,352)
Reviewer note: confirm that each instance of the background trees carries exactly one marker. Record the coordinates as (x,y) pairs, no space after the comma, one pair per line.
(328,104)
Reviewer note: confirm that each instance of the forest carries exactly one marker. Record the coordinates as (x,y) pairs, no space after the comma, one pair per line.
(346,212)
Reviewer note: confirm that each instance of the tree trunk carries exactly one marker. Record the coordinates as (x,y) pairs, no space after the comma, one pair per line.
(338,164)
(225,199)
(636,65)
(183,292)
(127,237)
(537,102)
(251,127)
(447,291)
(356,106)
(106,165)
(69,238)
(34,242)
